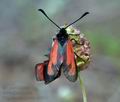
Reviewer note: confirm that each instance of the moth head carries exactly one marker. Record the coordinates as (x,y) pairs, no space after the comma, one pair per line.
(63,31)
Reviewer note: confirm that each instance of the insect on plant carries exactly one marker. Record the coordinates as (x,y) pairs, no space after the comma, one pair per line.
(69,53)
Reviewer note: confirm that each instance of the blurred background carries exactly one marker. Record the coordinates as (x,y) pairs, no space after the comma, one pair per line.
(25,36)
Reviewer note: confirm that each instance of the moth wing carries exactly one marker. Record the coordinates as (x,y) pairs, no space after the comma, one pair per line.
(69,64)
(39,72)
(52,70)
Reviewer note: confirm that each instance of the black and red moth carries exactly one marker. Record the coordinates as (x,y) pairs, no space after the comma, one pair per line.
(63,55)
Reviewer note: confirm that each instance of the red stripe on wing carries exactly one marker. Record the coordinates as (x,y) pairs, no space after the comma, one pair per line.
(53,58)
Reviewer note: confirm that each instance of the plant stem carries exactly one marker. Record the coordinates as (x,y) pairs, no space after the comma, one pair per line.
(83,88)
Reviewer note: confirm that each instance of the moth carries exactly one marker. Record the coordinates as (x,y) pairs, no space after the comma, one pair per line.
(69,53)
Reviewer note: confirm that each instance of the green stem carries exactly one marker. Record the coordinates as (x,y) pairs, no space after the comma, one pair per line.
(83,89)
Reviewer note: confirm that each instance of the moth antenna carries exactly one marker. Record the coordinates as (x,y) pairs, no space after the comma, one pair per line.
(48,17)
(77,19)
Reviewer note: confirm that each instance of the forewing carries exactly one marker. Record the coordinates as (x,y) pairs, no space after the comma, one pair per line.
(52,70)
(69,65)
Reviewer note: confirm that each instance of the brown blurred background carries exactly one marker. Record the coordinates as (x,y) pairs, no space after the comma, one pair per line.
(25,35)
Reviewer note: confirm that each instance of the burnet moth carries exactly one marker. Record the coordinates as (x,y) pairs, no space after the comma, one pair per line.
(69,53)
